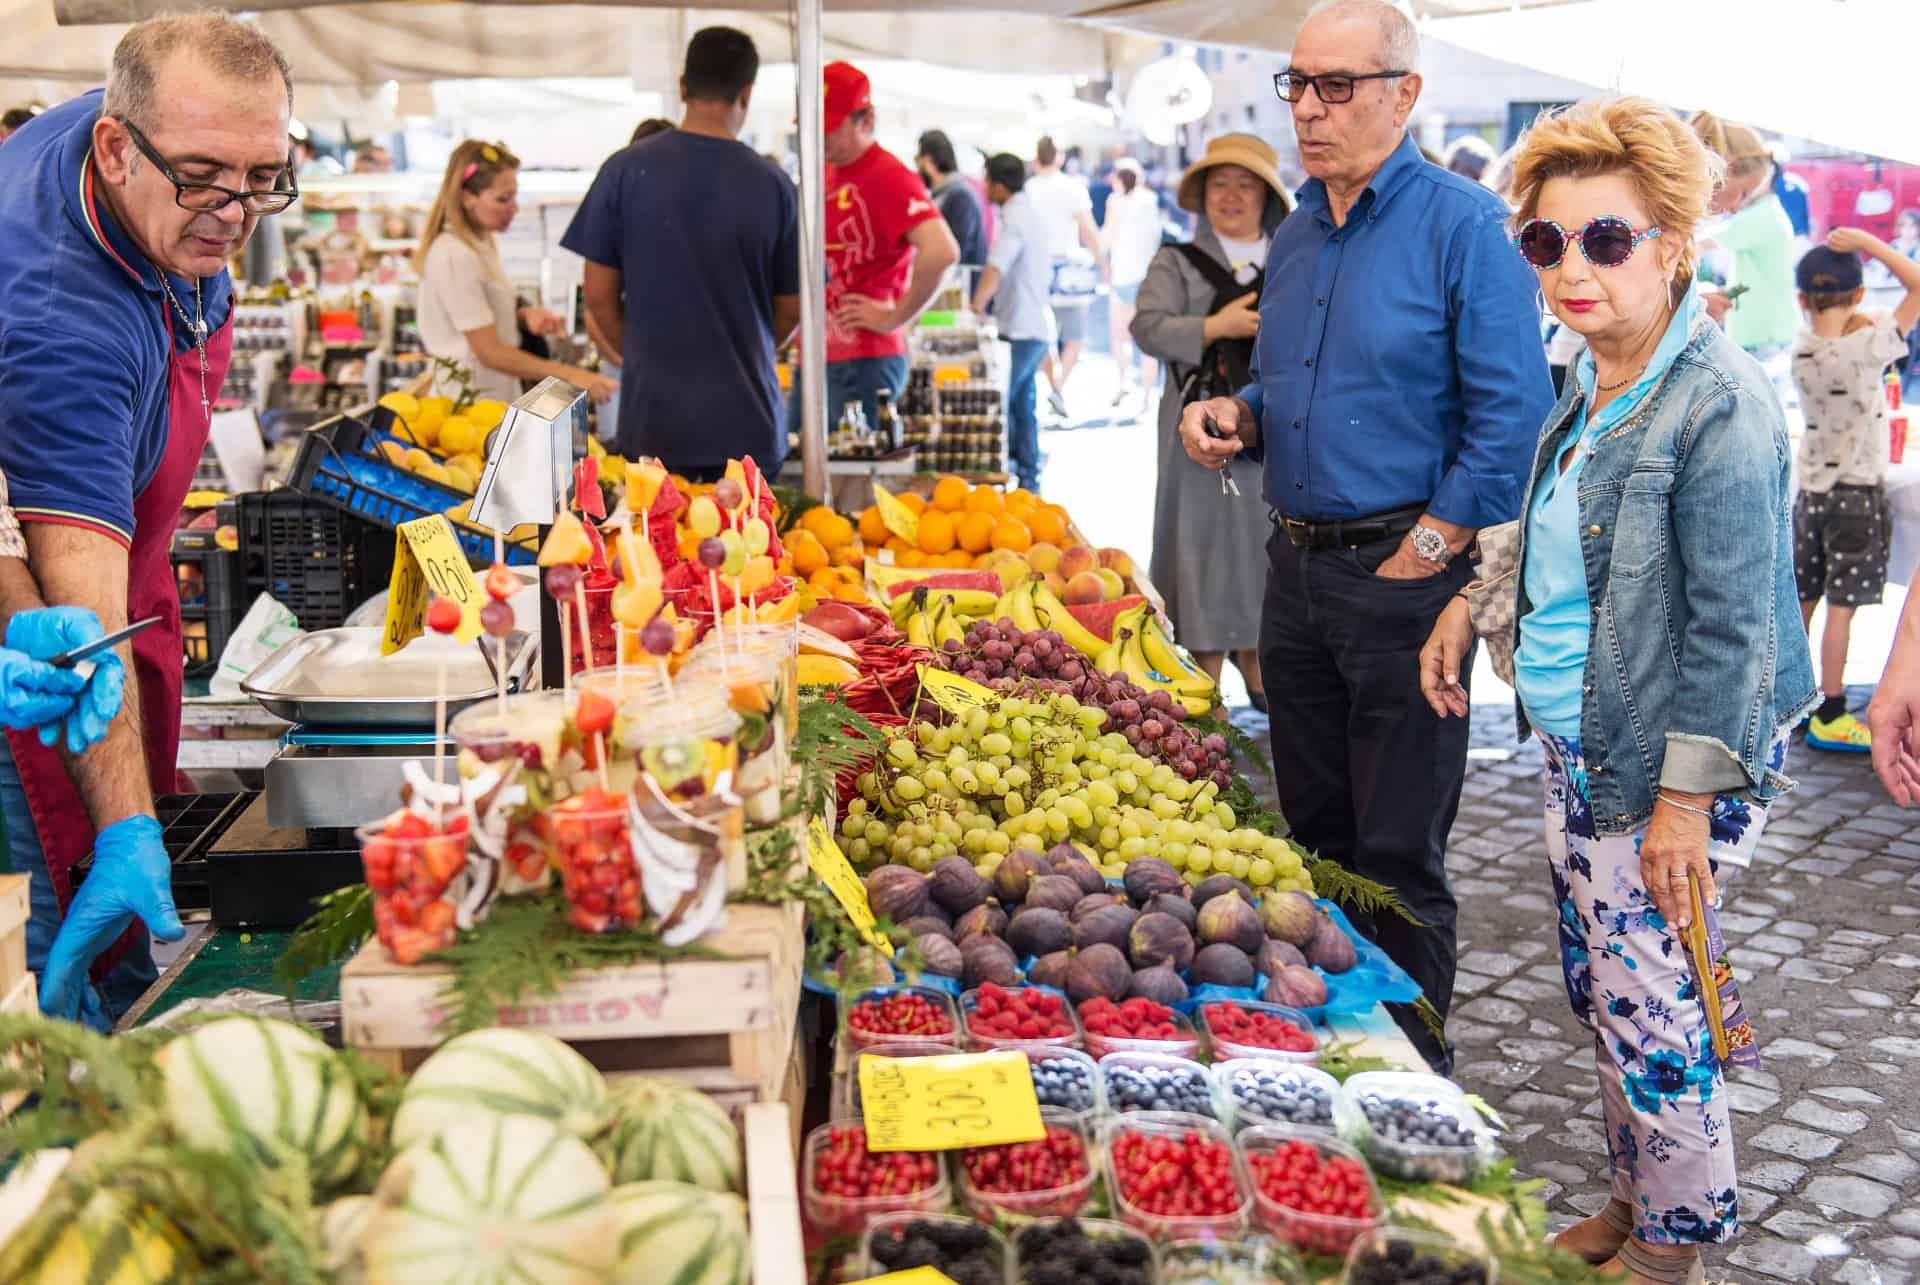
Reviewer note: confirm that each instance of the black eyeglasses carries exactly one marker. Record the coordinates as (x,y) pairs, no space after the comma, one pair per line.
(1332,86)
(204,198)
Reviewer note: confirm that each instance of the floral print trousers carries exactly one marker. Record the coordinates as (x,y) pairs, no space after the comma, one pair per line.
(1663,1088)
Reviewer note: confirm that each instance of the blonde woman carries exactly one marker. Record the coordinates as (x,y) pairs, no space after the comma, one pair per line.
(467,310)
(1659,656)
(1759,237)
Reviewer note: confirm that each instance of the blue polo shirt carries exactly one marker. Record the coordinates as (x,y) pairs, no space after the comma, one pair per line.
(84,346)
(1399,361)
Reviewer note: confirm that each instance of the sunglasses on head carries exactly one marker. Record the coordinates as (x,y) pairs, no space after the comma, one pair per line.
(1607,242)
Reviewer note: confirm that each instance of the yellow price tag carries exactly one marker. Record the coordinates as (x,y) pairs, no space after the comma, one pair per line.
(831,864)
(912,1276)
(955,694)
(944,1103)
(427,559)
(899,519)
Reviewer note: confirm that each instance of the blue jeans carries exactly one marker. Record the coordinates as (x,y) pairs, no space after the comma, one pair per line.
(100,1004)
(1023,419)
(859,380)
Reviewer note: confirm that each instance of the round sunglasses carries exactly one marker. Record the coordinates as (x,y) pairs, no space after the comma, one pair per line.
(1607,241)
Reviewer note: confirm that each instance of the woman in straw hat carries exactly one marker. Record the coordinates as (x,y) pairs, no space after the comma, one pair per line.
(1198,311)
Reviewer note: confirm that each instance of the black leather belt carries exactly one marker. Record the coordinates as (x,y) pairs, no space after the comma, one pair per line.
(1350,533)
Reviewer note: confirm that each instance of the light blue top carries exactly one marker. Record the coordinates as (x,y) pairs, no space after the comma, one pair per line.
(1551,661)
(1021,254)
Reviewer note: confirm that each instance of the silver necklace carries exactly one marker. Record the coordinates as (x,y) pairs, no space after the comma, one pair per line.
(197,324)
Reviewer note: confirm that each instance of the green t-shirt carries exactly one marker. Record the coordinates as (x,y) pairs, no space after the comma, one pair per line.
(1760,240)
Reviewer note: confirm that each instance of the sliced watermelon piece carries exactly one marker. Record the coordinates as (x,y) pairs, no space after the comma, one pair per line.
(1098,617)
(982,580)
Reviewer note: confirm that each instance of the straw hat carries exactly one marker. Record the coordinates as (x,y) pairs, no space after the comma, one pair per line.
(1244,150)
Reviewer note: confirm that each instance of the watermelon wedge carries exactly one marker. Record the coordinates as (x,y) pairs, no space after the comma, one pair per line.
(1098,617)
(986,581)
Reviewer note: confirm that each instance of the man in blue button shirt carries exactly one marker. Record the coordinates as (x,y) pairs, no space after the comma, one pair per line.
(1398,387)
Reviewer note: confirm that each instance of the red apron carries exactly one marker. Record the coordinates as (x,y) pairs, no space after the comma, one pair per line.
(59,814)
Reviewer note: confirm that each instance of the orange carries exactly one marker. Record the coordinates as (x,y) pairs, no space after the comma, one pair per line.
(809,555)
(913,500)
(950,494)
(850,593)
(984,499)
(936,532)
(848,556)
(834,531)
(811,519)
(979,562)
(824,581)
(959,559)
(1021,505)
(975,532)
(1011,533)
(872,529)
(1049,523)
(896,546)
(911,558)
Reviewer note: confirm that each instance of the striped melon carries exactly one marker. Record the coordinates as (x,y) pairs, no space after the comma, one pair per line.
(673,1234)
(493,1200)
(108,1241)
(341,1229)
(665,1131)
(502,1072)
(249,1086)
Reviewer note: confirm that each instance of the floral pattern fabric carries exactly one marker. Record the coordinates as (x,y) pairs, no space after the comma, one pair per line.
(1630,982)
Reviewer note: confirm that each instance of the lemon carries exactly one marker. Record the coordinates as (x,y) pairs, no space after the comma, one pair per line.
(487,414)
(438,406)
(435,473)
(460,436)
(405,405)
(396,454)
(473,464)
(417,461)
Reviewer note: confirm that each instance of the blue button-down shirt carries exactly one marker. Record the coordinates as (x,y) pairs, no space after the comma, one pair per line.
(1399,360)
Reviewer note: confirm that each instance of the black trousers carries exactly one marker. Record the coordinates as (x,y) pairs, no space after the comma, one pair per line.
(1367,775)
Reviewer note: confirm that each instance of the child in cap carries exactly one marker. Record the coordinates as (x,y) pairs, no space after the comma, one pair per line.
(1841,527)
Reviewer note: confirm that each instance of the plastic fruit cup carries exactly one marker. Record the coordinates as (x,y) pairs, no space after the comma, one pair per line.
(595,855)
(945,1020)
(1413,1161)
(1327,1235)
(683,740)
(1223,1049)
(597,649)
(980,1041)
(754,683)
(1187,1045)
(408,874)
(1061,1201)
(895,1225)
(1363,1267)
(782,642)
(846,1091)
(1217,1107)
(1175,1125)
(521,738)
(1246,1111)
(831,1212)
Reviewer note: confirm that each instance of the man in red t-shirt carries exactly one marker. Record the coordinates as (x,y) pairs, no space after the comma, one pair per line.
(887,251)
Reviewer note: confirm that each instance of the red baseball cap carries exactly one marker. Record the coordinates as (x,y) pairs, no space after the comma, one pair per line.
(848,91)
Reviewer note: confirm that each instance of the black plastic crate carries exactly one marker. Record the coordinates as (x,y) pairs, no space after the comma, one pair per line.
(190,824)
(212,597)
(263,876)
(317,561)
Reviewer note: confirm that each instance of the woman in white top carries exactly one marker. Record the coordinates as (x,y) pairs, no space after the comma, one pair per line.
(1131,238)
(467,311)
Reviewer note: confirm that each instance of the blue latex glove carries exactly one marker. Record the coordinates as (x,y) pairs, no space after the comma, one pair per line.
(131,876)
(46,633)
(32,692)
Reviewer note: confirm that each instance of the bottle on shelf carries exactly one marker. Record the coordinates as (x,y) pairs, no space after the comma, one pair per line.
(892,434)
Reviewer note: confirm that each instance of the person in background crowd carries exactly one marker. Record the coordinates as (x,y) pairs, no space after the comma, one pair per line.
(467,310)
(1131,237)
(1197,301)
(940,171)
(887,251)
(1064,203)
(1894,715)
(1793,193)
(1019,271)
(1758,236)
(696,303)
(648,128)
(372,159)
(14,118)
(1841,526)
(1398,383)
(1657,658)
(122,210)
(1469,156)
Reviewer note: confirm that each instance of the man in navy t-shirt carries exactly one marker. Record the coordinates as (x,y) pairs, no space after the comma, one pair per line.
(693,274)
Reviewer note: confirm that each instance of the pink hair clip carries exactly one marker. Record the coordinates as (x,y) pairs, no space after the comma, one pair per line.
(467,173)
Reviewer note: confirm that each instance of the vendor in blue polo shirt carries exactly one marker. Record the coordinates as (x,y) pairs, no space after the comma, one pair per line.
(119,213)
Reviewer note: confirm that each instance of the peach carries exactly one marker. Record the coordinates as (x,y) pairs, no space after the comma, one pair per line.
(1077,558)
(1111,583)
(1044,557)
(1084,590)
(1055,581)
(1118,561)
(1011,570)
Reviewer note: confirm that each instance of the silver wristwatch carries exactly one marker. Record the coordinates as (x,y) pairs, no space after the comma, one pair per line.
(1431,546)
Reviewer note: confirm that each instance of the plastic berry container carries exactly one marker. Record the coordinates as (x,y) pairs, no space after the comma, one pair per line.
(1095,1108)
(1060,1201)
(1253,1261)
(845,1101)
(1414,1161)
(979,1041)
(1025,1247)
(1324,1235)
(1236,1092)
(1185,1044)
(1176,1125)
(1386,1255)
(1217,1109)
(886,1225)
(855,1017)
(832,1212)
(1223,1048)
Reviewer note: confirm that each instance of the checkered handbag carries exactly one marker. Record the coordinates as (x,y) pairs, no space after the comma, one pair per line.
(1493,597)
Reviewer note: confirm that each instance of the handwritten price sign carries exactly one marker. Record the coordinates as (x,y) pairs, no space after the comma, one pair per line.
(895,516)
(428,561)
(944,1103)
(955,694)
(833,868)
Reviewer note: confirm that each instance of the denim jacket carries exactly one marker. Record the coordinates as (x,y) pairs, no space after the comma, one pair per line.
(1698,661)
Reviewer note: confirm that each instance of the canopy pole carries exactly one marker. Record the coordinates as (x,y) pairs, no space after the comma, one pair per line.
(812,371)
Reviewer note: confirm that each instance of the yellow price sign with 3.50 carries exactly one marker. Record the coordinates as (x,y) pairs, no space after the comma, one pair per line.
(945,1103)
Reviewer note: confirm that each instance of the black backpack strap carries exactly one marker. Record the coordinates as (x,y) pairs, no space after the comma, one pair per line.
(1225,287)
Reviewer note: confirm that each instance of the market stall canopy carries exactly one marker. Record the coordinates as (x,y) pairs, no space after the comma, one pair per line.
(1831,72)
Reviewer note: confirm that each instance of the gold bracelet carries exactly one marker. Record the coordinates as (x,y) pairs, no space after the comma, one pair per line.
(1684,807)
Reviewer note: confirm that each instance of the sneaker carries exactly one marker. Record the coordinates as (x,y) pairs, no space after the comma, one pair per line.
(1845,734)
(1058,404)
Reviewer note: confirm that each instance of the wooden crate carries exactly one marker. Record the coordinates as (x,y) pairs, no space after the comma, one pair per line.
(726,1026)
(773,1193)
(18,990)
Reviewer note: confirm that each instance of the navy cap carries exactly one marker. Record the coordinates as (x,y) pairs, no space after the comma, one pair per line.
(1824,271)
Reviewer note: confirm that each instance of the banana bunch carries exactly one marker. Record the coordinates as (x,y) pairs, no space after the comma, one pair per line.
(1031,605)
(930,617)
(1142,651)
